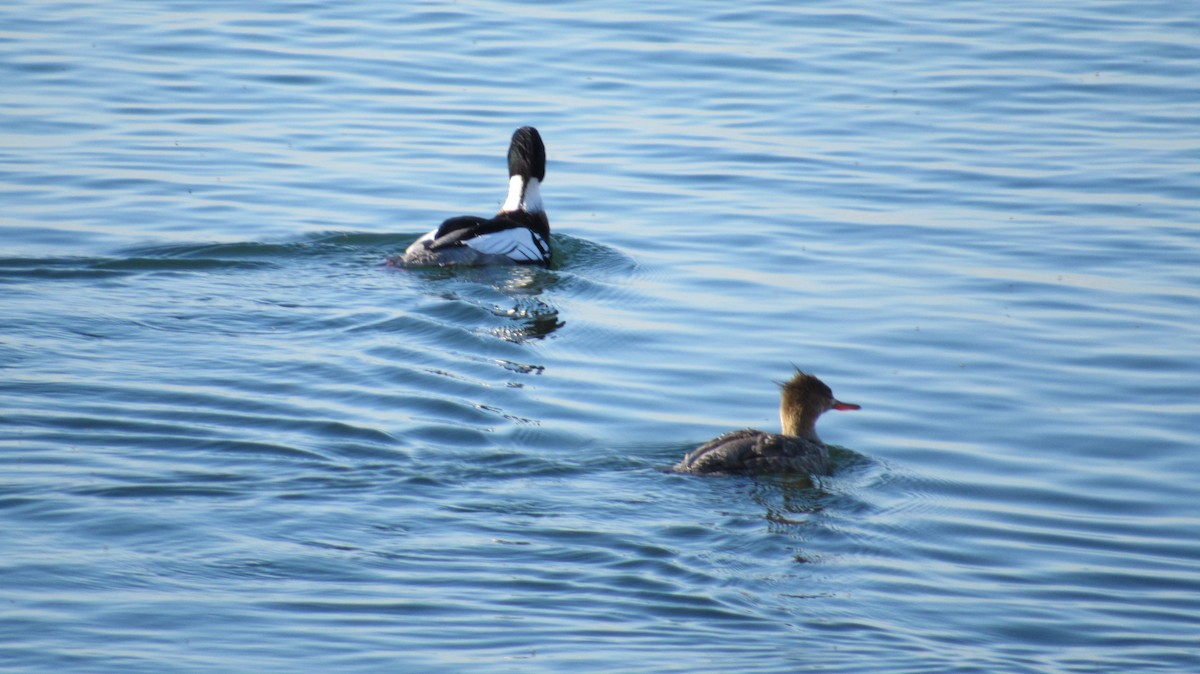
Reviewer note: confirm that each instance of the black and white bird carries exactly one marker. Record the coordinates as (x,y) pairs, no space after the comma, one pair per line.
(518,234)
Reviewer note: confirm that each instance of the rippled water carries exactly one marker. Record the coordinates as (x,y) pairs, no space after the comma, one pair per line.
(235,440)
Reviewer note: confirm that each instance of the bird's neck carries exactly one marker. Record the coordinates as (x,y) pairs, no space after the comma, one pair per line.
(524,194)
(798,423)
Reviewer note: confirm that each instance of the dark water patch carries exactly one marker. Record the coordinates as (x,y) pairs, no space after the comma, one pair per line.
(152,265)
(155,492)
(30,269)
(236,250)
(14,270)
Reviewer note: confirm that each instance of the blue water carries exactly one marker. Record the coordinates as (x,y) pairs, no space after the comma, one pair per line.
(233,439)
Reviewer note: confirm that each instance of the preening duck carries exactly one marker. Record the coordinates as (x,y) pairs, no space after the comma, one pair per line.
(518,234)
(798,450)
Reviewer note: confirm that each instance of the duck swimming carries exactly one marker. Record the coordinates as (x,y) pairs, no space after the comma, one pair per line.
(797,450)
(518,234)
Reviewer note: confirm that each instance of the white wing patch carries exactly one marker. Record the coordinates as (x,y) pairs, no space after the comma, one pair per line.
(518,243)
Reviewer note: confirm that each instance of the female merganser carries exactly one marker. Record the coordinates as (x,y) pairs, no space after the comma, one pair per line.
(520,232)
(797,450)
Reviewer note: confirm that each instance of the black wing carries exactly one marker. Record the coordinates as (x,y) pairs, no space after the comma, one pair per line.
(455,231)
(529,241)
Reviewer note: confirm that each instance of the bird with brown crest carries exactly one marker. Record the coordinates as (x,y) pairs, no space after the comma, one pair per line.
(798,449)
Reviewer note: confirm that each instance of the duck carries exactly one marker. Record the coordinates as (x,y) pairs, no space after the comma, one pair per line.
(518,234)
(797,450)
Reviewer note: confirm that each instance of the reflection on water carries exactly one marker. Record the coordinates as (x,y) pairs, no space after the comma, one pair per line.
(508,292)
(536,320)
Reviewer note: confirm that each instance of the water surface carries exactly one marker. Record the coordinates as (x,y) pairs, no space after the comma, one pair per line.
(235,440)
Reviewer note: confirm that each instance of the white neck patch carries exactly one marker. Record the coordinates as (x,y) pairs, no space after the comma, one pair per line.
(522,195)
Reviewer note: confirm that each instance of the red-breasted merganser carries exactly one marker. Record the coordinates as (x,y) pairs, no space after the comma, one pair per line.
(797,450)
(520,232)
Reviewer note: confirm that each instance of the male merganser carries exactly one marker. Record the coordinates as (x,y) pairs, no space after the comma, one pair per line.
(797,450)
(520,232)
